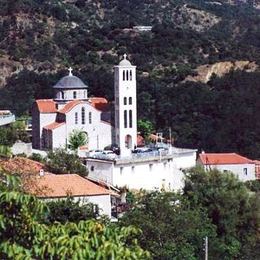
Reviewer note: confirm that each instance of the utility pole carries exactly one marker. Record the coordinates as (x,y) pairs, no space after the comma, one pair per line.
(170,135)
(206,247)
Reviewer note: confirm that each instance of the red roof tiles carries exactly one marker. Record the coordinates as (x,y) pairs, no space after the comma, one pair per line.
(46,106)
(62,185)
(99,103)
(53,125)
(223,158)
(69,106)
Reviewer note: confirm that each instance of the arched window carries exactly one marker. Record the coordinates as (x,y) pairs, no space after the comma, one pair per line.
(130,101)
(74,94)
(130,75)
(76,118)
(125,101)
(123,75)
(90,118)
(130,119)
(83,116)
(62,95)
(125,118)
(127,75)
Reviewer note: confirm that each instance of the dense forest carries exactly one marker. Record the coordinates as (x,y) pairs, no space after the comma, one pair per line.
(40,39)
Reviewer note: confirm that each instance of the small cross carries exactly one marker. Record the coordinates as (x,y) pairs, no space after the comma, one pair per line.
(70,71)
(125,55)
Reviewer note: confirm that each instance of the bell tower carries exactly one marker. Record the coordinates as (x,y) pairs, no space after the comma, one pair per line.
(125,106)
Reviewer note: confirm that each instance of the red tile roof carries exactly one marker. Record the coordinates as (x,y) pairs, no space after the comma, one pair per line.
(223,158)
(46,106)
(99,103)
(69,106)
(62,185)
(53,125)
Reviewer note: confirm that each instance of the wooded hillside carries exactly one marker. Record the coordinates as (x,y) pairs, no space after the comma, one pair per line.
(40,39)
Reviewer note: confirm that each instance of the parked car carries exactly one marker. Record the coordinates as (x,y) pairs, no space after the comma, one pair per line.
(109,153)
(94,153)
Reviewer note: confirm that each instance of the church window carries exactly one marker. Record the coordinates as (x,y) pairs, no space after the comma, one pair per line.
(125,118)
(127,75)
(92,168)
(90,118)
(123,75)
(130,101)
(150,167)
(76,118)
(130,119)
(62,95)
(83,116)
(130,75)
(121,170)
(74,94)
(125,101)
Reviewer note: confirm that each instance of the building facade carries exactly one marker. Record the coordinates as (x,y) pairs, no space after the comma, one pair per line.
(53,120)
(240,166)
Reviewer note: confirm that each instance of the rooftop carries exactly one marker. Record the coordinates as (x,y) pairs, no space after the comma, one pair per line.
(223,158)
(70,82)
(63,185)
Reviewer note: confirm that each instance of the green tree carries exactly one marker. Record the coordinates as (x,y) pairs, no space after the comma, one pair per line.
(77,139)
(232,209)
(70,211)
(170,228)
(145,127)
(60,161)
(24,236)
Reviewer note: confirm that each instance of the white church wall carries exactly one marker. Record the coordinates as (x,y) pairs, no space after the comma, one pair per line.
(45,119)
(99,133)
(58,134)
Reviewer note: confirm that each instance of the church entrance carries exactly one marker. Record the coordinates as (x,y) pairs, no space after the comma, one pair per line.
(128,142)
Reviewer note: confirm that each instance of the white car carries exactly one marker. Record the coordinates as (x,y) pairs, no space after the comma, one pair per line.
(94,153)
(109,153)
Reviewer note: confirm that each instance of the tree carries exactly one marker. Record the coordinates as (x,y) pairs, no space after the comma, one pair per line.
(70,211)
(60,161)
(232,209)
(145,127)
(77,139)
(23,235)
(170,228)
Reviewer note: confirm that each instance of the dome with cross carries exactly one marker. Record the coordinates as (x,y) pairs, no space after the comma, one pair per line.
(125,61)
(70,82)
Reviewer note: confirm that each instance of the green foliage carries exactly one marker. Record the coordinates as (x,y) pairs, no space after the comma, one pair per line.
(231,208)
(253,185)
(60,161)
(70,211)
(171,229)
(23,236)
(145,127)
(37,157)
(5,151)
(77,139)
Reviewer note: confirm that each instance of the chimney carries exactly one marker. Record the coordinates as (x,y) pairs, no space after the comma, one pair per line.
(41,173)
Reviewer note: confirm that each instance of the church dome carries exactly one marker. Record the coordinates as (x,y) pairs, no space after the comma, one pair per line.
(125,62)
(70,82)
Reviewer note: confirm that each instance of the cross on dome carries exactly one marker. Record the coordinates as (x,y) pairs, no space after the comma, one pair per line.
(70,71)
(125,56)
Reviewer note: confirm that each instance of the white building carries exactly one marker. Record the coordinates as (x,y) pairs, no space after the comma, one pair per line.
(53,120)
(242,167)
(60,186)
(150,171)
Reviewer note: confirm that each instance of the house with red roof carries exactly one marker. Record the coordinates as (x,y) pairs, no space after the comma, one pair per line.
(48,186)
(53,120)
(242,167)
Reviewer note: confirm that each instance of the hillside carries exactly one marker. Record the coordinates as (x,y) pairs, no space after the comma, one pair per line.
(40,39)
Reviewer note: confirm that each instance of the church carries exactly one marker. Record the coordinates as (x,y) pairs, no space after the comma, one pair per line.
(53,120)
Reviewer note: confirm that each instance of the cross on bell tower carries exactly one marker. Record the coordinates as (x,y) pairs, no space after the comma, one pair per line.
(70,71)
